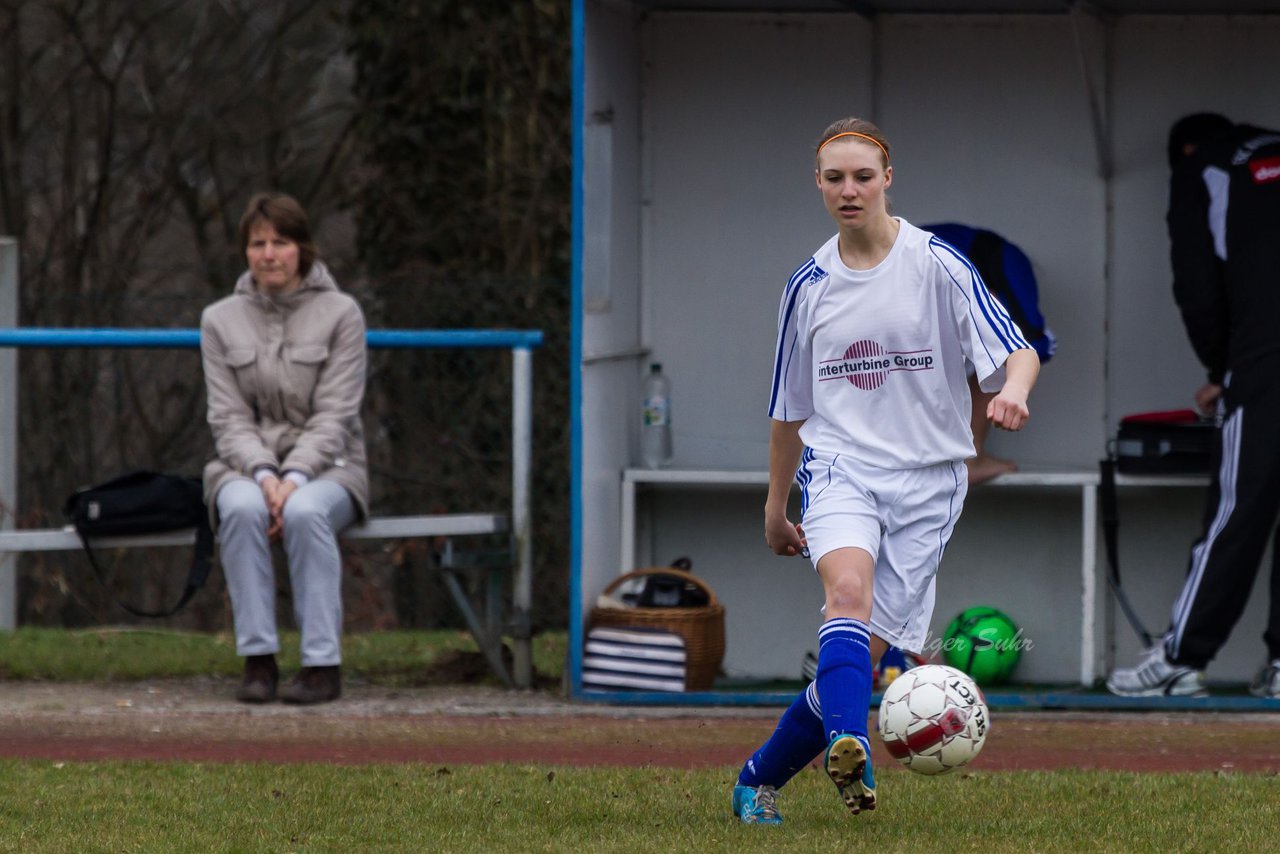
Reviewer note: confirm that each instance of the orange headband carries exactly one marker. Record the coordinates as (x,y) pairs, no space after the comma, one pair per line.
(855,133)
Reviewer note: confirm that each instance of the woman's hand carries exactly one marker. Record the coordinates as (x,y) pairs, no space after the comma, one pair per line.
(276,492)
(785,448)
(1008,411)
(783,538)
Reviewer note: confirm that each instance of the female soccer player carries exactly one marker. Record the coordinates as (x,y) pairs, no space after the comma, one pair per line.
(870,408)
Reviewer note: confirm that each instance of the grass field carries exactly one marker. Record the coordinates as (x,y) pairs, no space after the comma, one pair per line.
(255,807)
(128,653)
(428,806)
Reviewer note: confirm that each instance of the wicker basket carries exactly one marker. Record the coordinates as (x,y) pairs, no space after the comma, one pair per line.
(701,627)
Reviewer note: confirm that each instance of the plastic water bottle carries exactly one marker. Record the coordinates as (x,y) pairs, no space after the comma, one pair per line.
(655,424)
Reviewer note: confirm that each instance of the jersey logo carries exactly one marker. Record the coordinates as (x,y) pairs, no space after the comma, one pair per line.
(816,276)
(866,364)
(1265,170)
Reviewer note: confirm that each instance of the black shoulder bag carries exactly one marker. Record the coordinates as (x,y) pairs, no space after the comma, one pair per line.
(1149,443)
(144,502)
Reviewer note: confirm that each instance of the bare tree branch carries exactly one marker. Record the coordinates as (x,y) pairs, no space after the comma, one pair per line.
(130,136)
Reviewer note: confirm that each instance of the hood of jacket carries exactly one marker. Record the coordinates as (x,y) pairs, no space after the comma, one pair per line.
(318,278)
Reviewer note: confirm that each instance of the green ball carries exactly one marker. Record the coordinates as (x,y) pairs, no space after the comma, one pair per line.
(984,643)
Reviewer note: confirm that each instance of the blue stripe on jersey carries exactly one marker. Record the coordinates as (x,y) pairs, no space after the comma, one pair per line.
(995,314)
(785,351)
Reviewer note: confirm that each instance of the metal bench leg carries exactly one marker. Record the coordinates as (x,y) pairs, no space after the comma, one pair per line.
(488,638)
(495,580)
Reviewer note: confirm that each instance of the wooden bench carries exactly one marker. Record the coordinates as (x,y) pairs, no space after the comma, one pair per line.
(458,567)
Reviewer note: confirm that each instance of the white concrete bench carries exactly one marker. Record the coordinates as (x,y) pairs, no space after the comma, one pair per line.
(1083,481)
(486,627)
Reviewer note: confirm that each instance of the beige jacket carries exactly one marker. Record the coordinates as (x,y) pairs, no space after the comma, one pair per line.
(285,380)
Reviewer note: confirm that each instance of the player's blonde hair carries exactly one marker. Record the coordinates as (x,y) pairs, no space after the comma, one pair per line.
(858,129)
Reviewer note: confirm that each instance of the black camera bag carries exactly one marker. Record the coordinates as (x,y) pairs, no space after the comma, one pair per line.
(144,502)
(1175,442)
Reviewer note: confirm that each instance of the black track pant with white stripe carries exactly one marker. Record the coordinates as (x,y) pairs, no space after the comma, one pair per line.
(1240,517)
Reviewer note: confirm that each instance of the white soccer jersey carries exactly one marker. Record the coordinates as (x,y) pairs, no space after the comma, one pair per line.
(874,361)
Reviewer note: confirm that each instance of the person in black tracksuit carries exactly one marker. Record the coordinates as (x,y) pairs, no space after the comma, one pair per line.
(1224,227)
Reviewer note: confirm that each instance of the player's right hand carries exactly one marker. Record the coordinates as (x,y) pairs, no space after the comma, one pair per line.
(783,537)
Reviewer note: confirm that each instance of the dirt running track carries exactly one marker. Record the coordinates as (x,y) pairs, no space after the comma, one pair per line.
(197,721)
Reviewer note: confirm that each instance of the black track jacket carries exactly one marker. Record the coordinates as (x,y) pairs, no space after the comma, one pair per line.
(1224,226)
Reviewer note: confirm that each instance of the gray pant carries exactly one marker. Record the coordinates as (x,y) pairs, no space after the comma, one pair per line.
(313,516)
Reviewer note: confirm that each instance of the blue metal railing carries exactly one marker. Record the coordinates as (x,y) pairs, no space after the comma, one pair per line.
(504,339)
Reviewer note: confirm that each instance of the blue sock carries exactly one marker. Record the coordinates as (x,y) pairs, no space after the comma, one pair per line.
(795,741)
(844,677)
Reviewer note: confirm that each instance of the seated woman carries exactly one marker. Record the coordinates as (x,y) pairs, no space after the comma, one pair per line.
(284,362)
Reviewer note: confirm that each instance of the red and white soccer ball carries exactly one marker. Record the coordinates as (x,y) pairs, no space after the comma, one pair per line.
(933,719)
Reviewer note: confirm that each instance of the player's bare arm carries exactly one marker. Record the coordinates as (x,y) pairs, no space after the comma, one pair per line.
(1008,409)
(785,448)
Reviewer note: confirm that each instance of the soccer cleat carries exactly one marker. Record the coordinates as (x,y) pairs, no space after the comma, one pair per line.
(1267,683)
(756,804)
(848,764)
(1154,676)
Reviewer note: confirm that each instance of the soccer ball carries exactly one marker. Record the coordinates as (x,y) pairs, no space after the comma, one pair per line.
(984,643)
(933,719)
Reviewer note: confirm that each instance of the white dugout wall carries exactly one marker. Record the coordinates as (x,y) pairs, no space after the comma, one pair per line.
(697,201)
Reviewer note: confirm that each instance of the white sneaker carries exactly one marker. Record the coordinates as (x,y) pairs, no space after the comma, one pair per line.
(1156,677)
(1267,682)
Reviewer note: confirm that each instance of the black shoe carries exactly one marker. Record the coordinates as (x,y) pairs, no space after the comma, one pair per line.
(260,679)
(314,685)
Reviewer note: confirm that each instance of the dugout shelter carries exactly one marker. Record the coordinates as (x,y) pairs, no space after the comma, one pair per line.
(1044,120)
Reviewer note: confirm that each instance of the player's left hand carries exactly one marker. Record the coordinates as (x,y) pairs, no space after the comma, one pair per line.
(1007,411)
